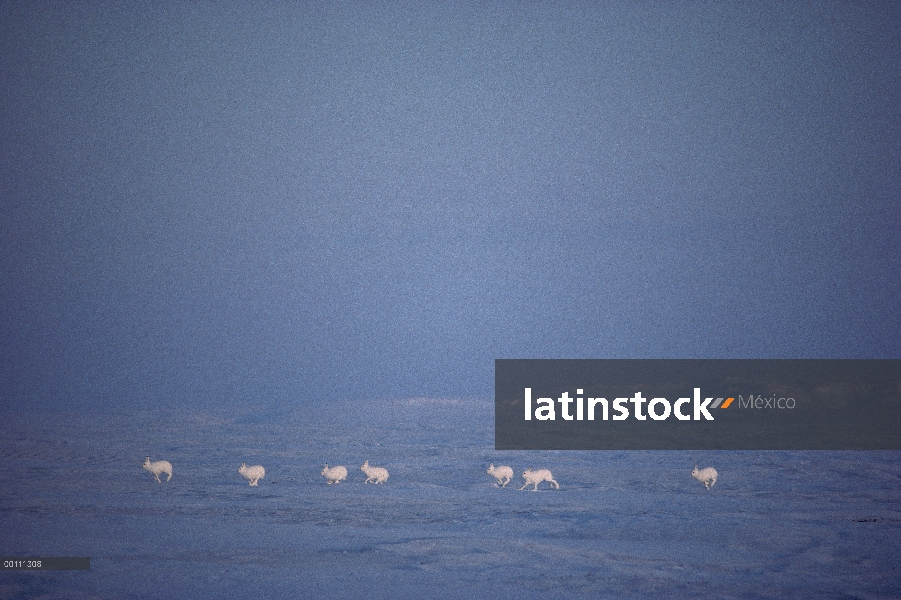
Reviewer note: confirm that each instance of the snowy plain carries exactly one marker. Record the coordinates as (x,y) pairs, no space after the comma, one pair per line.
(623,524)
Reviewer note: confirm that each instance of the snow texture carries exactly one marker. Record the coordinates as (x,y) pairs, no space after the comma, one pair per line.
(625,525)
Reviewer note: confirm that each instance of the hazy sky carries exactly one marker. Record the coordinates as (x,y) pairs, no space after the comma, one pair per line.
(203,203)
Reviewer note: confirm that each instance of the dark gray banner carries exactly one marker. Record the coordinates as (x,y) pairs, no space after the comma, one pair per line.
(747,404)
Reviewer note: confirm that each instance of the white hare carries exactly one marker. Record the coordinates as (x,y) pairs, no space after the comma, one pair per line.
(707,476)
(334,474)
(374,474)
(536,477)
(252,474)
(502,474)
(158,466)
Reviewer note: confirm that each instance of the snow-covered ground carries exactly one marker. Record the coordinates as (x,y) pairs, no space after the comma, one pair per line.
(622,525)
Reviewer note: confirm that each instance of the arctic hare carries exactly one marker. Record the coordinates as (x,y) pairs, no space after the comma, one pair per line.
(252,474)
(536,477)
(158,466)
(502,474)
(707,476)
(374,474)
(334,474)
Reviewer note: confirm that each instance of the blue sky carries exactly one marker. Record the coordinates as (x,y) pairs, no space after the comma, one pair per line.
(290,203)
